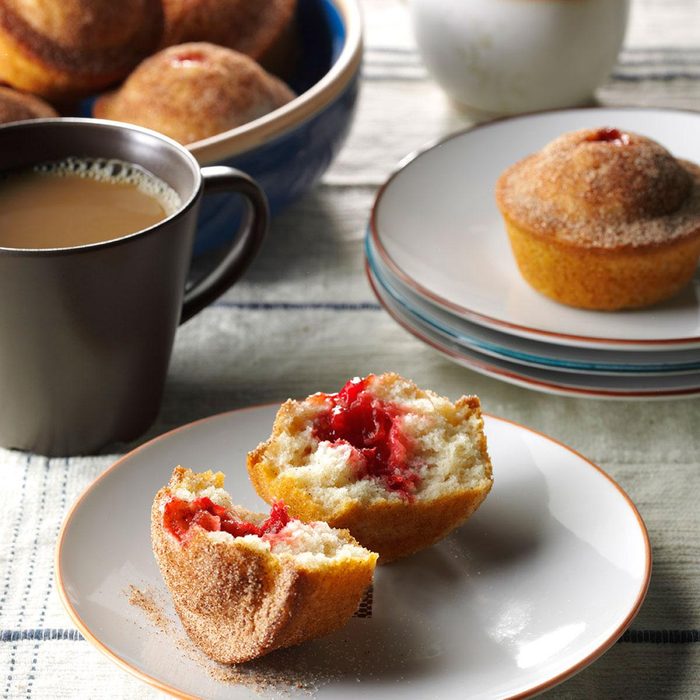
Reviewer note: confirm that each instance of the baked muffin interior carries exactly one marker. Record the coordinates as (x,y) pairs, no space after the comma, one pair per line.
(379,439)
(200,502)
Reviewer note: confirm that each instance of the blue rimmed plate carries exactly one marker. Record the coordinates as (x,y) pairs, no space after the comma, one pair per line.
(436,226)
(524,351)
(575,384)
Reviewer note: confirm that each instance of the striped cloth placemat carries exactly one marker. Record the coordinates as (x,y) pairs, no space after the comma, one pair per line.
(304,319)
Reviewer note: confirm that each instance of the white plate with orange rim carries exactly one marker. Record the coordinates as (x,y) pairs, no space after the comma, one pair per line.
(549,381)
(435,225)
(538,584)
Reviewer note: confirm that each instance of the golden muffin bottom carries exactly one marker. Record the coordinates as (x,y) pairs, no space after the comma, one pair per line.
(601,279)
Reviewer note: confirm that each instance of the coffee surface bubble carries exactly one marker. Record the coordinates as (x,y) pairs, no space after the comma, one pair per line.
(80,201)
(119,172)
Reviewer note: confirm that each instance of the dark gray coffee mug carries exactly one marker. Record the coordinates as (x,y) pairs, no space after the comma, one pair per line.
(86,332)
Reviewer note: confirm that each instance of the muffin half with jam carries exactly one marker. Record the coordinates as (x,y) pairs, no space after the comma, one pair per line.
(245,584)
(397,466)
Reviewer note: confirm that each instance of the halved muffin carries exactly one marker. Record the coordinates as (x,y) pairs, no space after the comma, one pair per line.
(397,466)
(245,584)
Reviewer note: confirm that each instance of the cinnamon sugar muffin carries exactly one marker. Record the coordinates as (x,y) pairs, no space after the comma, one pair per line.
(603,219)
(397,466)
(263,29)
(67,49)
(244,584)
(18,106)
(192,91)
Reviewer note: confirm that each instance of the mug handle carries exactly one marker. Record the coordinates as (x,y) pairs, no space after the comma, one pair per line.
(218,178)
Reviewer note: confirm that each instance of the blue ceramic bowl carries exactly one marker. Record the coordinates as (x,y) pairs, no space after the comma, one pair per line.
(287,150)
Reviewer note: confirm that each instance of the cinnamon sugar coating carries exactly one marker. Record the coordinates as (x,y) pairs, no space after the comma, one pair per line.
(192,91)
(593,190)
(238,599)
(253,28)
(18,106)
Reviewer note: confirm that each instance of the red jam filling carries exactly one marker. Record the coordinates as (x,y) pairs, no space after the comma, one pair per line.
(179,516)
(372,427)
(614,136)
(188,57)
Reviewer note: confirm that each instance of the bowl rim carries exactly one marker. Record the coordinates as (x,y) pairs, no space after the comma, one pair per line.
(243,138)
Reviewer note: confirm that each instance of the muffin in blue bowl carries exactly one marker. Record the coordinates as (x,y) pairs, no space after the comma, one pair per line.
(283,126)
(287,150)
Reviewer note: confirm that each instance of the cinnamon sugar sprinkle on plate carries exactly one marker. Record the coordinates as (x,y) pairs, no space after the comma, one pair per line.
(268,675)
(145,600)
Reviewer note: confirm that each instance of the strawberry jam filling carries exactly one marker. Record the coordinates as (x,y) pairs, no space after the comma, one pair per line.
(373,429)
(614,136)
(188,58)
(180,516)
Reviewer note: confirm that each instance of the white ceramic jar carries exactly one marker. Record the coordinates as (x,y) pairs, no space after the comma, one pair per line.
(508,56)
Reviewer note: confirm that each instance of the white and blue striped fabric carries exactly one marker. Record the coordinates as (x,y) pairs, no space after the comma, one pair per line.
(304,319)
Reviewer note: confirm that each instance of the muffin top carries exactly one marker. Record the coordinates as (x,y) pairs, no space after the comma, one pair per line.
(194,90)
(249,27)
(84,36)
(603,188)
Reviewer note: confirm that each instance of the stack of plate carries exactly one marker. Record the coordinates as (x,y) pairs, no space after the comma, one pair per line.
(439,261)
